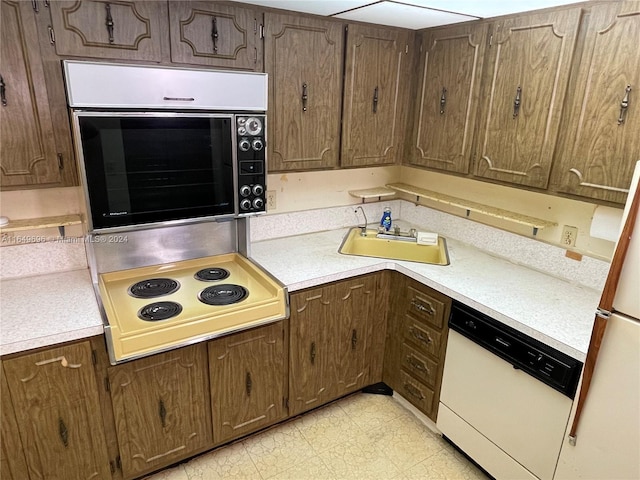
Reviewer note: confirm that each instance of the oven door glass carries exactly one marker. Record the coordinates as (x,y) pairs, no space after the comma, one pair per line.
(146,168)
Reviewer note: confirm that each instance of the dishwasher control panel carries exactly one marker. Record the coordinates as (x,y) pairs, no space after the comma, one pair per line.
(545,363)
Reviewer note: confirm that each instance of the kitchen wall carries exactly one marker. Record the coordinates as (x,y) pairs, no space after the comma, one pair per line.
(312,190)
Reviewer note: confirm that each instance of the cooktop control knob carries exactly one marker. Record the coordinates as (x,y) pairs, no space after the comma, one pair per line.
(253,126)
(242,121)
(245,190)
(258,189)
(245,204)
(258,203)
(257,144)
(244,145)
(242,131)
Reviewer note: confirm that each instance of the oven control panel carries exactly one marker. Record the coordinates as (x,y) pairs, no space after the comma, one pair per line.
(252,168)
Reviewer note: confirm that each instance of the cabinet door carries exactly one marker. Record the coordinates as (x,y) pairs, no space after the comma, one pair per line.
(349,306)
(122,29)
(375,95)
(247,374)
(55,398)
(309,383)
(29,154)
(303,57)
(210,33)
(162,408)
(601,141)
(12,462)
(524,88)
(450,67)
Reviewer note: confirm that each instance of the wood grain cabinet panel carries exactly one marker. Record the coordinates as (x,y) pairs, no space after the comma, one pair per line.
(375,95)
(524,86)
(303,57)
(117,29)
(162,408)
(416,343)
(330,338)
(601,136)
(13,465)
(450,70)
(247,373)
(55,398)
(215,34)
(29,155)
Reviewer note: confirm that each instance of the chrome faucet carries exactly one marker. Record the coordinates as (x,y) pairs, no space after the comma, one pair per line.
(363,228)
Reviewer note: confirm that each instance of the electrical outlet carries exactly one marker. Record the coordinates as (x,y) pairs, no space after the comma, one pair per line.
(569,235)
(271,199)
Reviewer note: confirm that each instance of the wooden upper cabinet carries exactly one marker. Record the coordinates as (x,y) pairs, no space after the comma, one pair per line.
(451,61)
(127,30)
(524,86)
(303,57)
(29,155)
(214,34)
(162,408)
(375,95)
(55,399)
(601,136)
(248,378)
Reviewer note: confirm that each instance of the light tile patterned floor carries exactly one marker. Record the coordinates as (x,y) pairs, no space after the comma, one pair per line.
(363,436)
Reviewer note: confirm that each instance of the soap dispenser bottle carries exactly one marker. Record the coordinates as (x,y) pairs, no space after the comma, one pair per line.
(385,221)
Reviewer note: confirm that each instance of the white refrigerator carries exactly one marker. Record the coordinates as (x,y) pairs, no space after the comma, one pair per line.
(607,436)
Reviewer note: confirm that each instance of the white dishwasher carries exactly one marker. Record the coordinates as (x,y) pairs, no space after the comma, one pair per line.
(506,397)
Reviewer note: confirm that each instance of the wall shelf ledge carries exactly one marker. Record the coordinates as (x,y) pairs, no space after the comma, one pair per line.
(470,206)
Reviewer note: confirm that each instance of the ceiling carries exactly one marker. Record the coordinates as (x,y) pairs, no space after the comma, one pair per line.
(412,14)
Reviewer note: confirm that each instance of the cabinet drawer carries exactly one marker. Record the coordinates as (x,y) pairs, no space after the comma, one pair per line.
(426,307)
(416,392)
(418,365)
(424,338)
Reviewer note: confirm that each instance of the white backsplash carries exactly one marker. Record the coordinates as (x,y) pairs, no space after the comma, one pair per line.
(518,249)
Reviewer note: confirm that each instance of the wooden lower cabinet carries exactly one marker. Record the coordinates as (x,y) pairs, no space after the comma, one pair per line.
(57,412)
(13,465)
(162,408)
(416,342)
(332,340)
(248,381)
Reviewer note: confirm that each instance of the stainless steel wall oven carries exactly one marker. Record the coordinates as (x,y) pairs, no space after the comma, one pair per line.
(175,145)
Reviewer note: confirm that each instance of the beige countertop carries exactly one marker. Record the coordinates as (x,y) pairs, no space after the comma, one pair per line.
(47,309)
(554,311)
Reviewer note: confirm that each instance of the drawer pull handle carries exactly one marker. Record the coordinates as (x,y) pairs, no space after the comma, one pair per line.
(64,433)
(305,97)
(313,352)
(375,100)
(443,100)
(624,105)
(517,101)
(413,391)
(109,23)
(417,364)
(248,384)
(419,336)
(354,339)
(421,308)
(214,34)
(162,411)
(3,92)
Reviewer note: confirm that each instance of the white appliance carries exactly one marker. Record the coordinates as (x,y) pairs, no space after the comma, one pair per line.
(505,398)
(607,438)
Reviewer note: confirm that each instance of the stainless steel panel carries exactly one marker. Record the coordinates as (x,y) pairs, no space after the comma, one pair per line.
(139,248)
